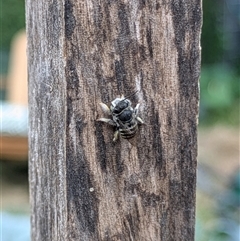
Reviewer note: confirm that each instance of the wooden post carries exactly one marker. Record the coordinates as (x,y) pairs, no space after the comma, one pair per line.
(82,185)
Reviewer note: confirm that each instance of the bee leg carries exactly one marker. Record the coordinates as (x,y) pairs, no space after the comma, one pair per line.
(136,109)
(115,137)
(108,121)
(140,120)
(105,108)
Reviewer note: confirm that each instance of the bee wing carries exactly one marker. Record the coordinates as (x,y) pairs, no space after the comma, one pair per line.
(105,108)
(133,141)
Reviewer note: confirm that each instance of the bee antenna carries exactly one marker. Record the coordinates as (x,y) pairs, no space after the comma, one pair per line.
(131,94)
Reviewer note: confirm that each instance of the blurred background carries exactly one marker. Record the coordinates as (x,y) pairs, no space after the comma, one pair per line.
(218,187)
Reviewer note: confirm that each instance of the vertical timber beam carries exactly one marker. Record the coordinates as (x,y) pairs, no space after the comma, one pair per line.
(82,185)
(47,119)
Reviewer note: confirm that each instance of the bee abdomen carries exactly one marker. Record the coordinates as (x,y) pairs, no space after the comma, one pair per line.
(129,132)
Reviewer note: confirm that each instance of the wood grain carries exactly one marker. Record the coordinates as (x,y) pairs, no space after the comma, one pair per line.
(84,186)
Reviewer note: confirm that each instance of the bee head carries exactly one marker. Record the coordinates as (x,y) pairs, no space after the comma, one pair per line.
(118,105)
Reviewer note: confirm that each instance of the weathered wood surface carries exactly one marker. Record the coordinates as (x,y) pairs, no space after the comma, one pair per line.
(82,185)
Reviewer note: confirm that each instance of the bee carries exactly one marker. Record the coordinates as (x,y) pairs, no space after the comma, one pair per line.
(124,117)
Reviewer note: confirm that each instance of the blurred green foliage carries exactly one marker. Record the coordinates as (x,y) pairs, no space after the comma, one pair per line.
(12,16)
(219,96)
(219,83)
(212,36)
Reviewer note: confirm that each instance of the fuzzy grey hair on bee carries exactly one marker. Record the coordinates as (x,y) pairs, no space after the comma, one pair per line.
(123,117)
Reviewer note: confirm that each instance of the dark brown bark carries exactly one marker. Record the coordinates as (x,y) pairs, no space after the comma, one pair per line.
(83,186)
